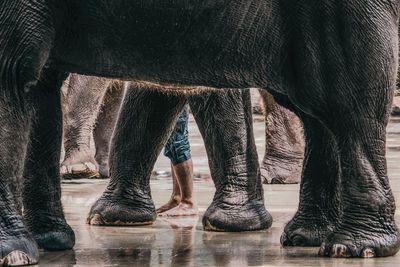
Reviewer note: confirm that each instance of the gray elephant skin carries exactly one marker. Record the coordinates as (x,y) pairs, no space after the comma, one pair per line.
(332,62)
(91,106)
(127,199)
(85,93)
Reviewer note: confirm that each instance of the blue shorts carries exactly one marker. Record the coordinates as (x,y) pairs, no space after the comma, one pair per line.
(177,148)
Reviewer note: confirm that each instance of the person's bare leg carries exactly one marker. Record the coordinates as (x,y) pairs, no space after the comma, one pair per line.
(184,178)
(176,195)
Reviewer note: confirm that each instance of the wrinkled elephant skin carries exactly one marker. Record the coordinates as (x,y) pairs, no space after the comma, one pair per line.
(91,104)
(333,63)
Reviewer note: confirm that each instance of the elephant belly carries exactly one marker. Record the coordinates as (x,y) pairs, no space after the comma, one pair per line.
(208,43)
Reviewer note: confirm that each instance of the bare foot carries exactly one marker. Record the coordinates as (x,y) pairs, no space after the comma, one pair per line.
(172,203)
(183,209)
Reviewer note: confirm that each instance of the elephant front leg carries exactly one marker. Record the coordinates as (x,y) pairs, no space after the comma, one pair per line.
(367,227)
(145,121)
(43,212)
(225,122)
(319,195)
(284,144)
(351,95)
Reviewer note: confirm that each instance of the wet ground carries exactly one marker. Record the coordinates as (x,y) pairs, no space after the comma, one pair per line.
(182,242)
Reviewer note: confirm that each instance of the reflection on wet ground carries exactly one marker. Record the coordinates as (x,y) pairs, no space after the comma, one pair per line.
(182,242)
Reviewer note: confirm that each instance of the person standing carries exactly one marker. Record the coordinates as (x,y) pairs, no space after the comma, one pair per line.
(177,150)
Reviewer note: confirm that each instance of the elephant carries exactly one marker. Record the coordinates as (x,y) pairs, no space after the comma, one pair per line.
(91,104)
(328,61)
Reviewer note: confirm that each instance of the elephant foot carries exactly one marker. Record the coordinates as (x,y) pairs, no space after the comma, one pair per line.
(51,233)
(306,229)
(79,165)
(224,217)
(281,172)
(346,244)
(18,250)
(122,212)
(303,237)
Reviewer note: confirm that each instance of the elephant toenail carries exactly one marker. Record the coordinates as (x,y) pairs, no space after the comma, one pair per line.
(322,250)
(367,253)
(97,219)
(284,240)
(340,251)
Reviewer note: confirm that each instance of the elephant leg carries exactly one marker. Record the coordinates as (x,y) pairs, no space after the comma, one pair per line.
(144,124)
(366,227)
(284,144)
(43,212)
(105,125)
(349,89)
(225,122)
(81,99)
(17,245)
(22,57)
(319,201)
